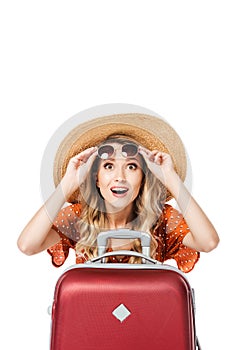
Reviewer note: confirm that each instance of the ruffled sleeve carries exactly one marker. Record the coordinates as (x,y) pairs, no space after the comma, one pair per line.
(65,225)
(173,230)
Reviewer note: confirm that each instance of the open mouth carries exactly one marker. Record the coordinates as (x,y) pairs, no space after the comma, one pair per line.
(119,190)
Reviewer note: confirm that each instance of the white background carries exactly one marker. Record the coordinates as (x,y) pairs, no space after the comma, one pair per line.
(61,57)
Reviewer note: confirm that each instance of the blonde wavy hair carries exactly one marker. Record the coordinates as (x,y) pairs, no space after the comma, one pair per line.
(147,208)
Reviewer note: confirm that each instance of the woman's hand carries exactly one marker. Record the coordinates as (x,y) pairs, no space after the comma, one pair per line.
(38,234)
(159,163)
(77,170)
(162,167)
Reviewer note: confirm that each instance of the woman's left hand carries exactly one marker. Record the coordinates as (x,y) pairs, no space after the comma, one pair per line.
(159,163)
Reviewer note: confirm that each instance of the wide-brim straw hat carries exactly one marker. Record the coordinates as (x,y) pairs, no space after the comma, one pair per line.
(146,130)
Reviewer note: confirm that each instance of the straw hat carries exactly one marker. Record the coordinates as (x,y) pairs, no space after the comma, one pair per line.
(147,130)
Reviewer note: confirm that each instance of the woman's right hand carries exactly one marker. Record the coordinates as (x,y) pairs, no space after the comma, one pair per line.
(77,170)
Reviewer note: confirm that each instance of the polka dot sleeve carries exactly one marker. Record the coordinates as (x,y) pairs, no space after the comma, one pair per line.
(65,225)
(174,229)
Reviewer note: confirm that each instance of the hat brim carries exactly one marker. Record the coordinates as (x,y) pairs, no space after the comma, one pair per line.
(149,131)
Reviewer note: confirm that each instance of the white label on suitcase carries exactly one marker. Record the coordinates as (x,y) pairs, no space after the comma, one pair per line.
(121,312)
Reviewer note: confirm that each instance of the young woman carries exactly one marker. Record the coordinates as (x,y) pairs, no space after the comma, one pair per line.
(124,182)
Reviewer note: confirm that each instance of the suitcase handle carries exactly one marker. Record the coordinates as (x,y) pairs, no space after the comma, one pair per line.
(124,234)
(125,253)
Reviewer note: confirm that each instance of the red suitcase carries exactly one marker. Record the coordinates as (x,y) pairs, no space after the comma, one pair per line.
(123,306)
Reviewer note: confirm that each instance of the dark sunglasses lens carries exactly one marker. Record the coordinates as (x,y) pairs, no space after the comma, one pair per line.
(129,150)
(106,151)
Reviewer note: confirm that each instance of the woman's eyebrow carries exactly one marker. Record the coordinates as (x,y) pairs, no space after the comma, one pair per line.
(135,160)
(128,159)
(107,159)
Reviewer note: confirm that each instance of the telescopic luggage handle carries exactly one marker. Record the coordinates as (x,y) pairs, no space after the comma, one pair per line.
(124,234)
(123,252)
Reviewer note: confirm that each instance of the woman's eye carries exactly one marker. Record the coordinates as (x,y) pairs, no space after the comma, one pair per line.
(132,166)
(108,166)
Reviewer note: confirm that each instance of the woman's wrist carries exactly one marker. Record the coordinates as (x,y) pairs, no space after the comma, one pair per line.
(67,188)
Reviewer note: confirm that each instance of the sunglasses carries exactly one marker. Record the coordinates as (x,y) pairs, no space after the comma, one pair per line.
(128,150)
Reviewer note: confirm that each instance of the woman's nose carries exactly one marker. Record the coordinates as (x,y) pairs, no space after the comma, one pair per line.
(120,174)
(119,179)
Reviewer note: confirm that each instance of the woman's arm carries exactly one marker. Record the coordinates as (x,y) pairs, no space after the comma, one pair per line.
(202,235)
(38,234)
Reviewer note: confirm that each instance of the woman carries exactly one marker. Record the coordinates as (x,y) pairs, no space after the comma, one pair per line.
(124,182)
